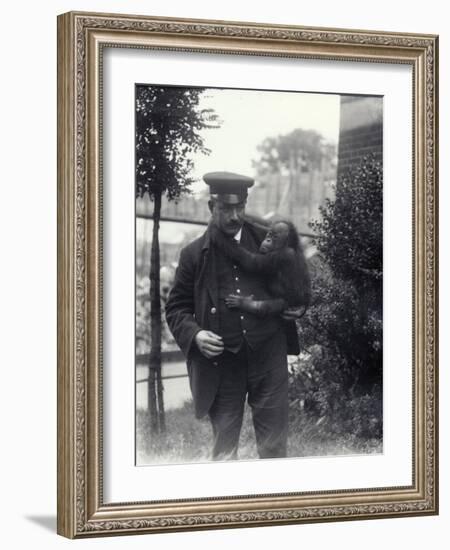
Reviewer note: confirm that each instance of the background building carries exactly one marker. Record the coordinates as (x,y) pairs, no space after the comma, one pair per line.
(360,130)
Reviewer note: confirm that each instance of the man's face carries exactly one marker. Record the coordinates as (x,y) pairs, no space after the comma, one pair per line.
(228,215)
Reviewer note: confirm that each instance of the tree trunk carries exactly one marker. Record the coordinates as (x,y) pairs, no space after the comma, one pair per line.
(153,357)
(156,408)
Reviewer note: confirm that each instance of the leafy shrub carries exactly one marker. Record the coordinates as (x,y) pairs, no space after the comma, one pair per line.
(338,378)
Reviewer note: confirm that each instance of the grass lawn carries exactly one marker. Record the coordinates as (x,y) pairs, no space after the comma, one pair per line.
(190,440)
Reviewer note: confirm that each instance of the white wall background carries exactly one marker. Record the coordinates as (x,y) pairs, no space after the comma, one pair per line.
(28,274)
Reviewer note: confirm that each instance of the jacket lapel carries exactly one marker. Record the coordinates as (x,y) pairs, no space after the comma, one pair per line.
(208,269)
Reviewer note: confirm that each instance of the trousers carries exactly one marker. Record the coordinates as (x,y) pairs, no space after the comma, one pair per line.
(261,377)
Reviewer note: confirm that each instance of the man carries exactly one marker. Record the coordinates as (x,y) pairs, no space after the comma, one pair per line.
(231,355)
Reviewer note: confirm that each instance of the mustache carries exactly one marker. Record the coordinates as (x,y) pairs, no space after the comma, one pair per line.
(233,226)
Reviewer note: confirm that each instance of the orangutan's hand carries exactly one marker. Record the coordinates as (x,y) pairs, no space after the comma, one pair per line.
(293,313)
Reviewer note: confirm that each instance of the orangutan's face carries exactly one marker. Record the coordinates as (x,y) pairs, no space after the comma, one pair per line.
(276,238)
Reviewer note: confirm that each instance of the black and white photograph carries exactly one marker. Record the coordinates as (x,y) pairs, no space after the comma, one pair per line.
(259,274)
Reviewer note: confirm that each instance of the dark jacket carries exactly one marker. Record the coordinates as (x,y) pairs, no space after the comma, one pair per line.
(192,306)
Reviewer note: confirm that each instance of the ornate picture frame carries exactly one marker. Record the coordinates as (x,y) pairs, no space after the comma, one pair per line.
(82,40)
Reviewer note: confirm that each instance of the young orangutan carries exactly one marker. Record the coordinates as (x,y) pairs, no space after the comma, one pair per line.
(281,260)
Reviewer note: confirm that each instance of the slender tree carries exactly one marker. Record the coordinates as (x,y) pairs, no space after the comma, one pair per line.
(169,121)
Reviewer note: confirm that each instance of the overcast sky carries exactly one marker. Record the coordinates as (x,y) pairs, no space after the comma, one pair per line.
(249,116)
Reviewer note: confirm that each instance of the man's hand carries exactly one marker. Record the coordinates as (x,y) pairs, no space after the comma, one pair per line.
(209,343)
(293,313)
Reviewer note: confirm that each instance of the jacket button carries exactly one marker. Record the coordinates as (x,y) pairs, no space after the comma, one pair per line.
(213,310)
(215,363)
